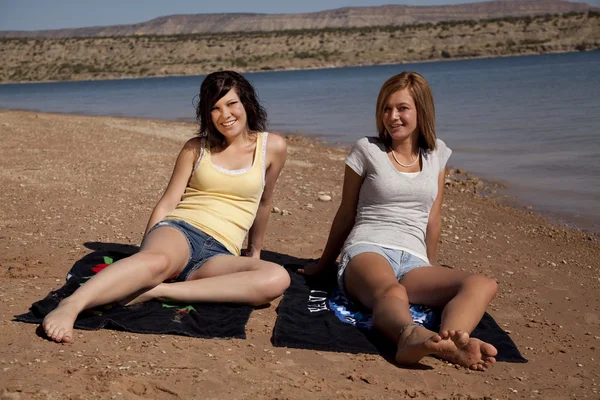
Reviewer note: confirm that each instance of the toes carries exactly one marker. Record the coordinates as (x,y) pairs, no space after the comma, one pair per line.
(460,338)
(59,335)
(488,350)
(51,332)
(479,366)
(68,337)
(46,330)
(489,360)
(436,338)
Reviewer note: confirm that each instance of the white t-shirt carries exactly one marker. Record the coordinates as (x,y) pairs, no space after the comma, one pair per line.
(393,208)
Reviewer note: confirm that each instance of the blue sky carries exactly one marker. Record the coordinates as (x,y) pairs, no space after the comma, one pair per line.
(56,14)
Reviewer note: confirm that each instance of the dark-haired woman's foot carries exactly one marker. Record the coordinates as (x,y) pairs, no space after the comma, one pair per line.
(58,324)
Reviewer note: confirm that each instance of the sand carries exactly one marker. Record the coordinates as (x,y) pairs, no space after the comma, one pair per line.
(73,183)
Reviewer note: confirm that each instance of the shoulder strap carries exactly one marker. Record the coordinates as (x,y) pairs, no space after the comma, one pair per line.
(264,157)
(200,154)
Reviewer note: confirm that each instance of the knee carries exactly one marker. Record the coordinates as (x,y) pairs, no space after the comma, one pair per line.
(484,285)
(275,282)
(278,281)
(157,264)
(395,291)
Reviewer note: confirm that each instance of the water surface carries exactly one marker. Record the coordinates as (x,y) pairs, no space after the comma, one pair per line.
(531,122)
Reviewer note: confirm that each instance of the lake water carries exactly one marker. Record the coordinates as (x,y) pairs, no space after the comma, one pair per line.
(530,122)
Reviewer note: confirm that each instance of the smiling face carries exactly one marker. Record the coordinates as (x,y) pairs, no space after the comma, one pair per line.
(229,116)
(400,116)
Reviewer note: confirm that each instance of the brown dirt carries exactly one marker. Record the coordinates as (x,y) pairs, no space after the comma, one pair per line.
(71,181)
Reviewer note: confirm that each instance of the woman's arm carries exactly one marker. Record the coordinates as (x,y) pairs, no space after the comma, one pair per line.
(177,184)
(342,223)
(275,159)
(434,224)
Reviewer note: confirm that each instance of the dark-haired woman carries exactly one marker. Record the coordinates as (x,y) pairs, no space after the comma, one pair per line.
(220,190)
(387,229)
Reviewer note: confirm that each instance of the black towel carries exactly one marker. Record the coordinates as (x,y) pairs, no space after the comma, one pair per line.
(305,320)
(197,320)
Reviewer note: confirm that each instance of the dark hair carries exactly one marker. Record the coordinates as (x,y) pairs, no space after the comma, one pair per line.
(213,88)
(421,94)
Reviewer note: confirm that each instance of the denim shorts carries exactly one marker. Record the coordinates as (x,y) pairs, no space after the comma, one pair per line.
(400,261)
(202,247)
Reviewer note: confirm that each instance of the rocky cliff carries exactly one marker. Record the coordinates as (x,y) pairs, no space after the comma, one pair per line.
(349,17)
(131,57)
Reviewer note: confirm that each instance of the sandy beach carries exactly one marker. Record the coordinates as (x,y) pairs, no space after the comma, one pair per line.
(73,184)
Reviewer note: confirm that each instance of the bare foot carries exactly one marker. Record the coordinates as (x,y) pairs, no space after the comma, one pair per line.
(474,354)
(58,324)
(416,342)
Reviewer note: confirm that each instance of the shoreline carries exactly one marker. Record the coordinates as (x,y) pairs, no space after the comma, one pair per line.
(260,71)
(73,184)
(494,189)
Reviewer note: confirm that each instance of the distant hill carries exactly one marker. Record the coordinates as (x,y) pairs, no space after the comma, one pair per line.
(56,59)
(347,17)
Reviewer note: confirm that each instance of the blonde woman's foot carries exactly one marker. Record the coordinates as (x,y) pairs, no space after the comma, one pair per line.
(58,324)
(470,352)
(416,342)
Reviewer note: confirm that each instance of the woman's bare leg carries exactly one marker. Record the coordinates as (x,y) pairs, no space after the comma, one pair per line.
(226,279)
(370,279)
(464,297)
(164,252)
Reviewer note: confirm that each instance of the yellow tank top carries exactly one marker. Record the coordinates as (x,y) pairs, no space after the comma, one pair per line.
(223,203)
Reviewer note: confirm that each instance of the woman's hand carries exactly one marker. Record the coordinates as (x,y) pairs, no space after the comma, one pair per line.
(251,252)
(318,268)
(309,270)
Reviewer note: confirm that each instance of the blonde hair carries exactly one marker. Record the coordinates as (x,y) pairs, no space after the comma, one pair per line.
(421,94)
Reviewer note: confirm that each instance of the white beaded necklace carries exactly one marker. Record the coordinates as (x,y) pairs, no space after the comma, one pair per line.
(405,165)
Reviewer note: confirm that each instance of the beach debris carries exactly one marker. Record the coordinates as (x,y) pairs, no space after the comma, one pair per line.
(324,197)
(277,210)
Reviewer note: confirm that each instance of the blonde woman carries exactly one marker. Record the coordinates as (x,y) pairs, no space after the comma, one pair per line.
(387,230)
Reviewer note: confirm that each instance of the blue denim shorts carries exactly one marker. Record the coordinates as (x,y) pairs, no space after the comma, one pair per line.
(202,247)
(400,261)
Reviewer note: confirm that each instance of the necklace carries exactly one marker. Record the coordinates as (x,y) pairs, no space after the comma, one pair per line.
(405,165)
